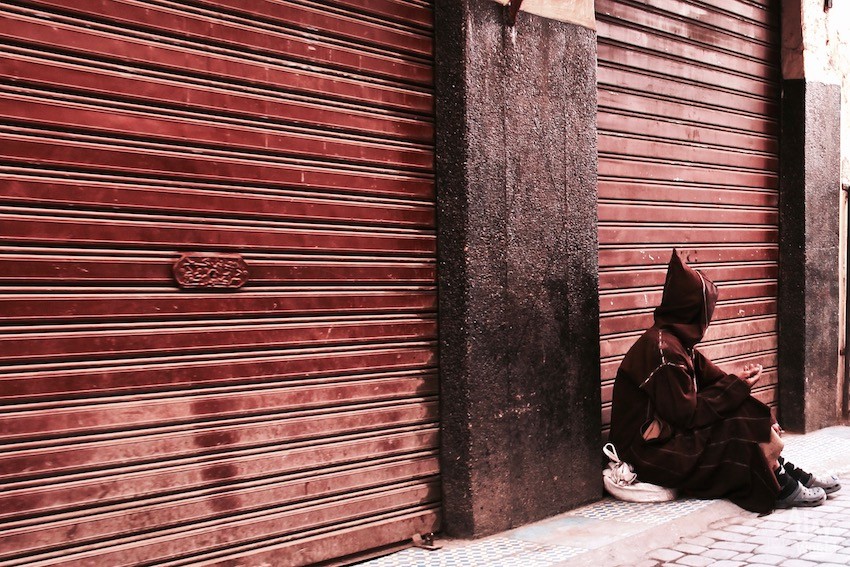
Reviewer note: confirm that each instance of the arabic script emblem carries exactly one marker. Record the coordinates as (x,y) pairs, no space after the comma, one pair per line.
(227,271)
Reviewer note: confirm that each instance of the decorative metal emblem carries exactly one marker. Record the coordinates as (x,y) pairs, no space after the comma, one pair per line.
(221,271)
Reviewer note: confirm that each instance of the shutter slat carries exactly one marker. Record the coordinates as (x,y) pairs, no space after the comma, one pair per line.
(125,485)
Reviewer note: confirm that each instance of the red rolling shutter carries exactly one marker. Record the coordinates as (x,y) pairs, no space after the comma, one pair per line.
(288,421)
(688,158)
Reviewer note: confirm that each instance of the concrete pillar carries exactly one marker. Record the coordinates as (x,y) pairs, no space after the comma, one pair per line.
(519,319)
(810,184)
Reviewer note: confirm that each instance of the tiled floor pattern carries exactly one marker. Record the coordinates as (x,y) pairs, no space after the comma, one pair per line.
(523,547)
(500,551)
(753,541)
(827,450)
(644,514)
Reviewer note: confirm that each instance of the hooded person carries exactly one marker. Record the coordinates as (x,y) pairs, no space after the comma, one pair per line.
(684,423)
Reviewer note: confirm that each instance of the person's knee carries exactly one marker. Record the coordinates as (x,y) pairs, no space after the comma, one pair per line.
(773,449)
(776,443)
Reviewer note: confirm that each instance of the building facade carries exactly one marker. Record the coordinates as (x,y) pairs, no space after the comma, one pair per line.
(289,281)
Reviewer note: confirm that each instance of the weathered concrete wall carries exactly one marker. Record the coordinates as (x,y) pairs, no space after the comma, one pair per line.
(516,194)
(809,244)
(826,45)
(813,160)
(826,54)
(816,47)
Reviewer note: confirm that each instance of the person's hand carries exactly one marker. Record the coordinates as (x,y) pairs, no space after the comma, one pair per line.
(778,428)
(751,374)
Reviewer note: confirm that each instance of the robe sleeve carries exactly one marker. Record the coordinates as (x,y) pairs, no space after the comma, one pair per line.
(676,400)
(707,372)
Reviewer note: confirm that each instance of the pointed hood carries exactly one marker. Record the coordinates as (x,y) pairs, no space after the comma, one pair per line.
(687,303)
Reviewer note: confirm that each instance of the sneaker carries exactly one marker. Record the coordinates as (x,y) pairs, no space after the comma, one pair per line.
(802,496)
(829,483)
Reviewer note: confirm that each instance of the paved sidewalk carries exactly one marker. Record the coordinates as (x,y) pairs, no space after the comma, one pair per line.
(693,533)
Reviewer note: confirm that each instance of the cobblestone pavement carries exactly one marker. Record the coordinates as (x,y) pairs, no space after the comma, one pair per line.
(692,533)
(800,537)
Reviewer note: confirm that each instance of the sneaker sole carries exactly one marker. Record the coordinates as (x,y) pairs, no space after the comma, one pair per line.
(800,504)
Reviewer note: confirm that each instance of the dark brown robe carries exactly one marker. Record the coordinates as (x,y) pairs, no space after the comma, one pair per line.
(702,425)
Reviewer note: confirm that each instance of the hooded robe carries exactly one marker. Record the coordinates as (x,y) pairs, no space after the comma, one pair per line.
(680,420)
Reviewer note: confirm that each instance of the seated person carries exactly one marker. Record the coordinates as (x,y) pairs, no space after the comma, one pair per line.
(683,423)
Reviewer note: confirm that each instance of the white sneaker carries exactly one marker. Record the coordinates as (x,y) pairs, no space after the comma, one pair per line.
(803,496)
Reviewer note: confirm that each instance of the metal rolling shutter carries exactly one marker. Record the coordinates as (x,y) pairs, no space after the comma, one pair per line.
(688,157)
(286,422)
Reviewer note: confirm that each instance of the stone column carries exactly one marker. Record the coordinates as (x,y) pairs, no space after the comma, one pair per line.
(809,189)
(518,285)
(808,265)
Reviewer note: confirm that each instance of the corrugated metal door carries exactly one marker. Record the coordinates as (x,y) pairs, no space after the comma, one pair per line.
(688,157)
(288,421)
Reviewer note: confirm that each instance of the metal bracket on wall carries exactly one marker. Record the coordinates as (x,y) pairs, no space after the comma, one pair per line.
(426,541)
(511,11)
